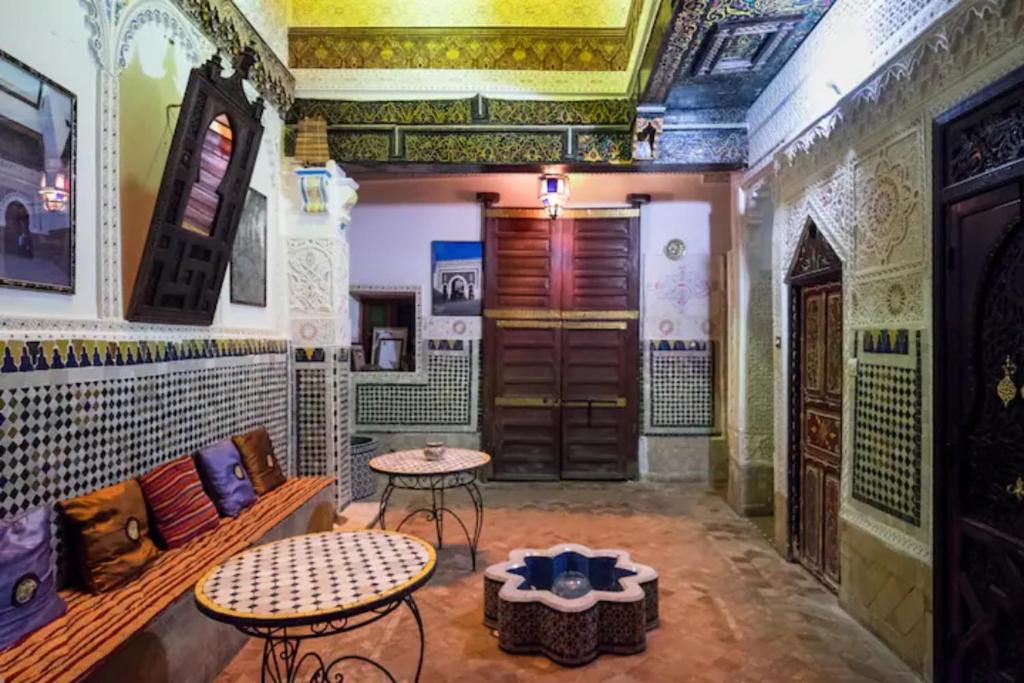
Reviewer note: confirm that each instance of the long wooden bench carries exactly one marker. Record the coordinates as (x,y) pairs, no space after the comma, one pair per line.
(149,629)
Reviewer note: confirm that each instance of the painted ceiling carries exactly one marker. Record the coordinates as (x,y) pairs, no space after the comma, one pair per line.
(694,65)
(537,48)
(719,55)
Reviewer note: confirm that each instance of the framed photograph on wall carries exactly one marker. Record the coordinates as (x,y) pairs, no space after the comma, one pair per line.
(456,278)
(37,179)
(249,254)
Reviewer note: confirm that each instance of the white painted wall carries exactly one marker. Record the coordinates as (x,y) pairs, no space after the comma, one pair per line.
(52,36)
(396,220)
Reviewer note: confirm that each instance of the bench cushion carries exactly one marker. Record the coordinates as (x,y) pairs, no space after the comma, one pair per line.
(180,508)
(226,480)
(257,453)
(109,535)
(95,625)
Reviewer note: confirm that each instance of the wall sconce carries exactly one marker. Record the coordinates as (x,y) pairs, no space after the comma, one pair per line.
(55,196)
(554,192)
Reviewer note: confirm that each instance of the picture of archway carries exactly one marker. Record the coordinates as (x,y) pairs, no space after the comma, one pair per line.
(456,278)
(37,163)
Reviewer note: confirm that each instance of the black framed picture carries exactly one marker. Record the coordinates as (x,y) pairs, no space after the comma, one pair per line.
(249,254)
(37,179)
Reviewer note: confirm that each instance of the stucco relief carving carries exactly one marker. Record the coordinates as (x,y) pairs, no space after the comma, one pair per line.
(832,196)
(889,206)
(310,269)
(894,298)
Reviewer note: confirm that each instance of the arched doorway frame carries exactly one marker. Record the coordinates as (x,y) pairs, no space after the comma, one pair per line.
(814,261)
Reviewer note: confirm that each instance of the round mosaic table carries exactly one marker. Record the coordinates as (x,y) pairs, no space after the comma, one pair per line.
(411,471)
(313,586)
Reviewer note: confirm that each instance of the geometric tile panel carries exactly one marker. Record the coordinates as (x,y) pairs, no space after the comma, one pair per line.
(887,437)
(64,433)
(342,432)
(444,400)
(311,455)
(682,387)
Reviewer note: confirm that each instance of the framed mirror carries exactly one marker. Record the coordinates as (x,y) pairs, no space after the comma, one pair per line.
(202,193)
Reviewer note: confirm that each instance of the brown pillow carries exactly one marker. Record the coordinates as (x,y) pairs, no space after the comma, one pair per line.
(260,462)
(109,532)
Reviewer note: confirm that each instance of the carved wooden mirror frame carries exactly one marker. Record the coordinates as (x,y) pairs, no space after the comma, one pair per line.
(182,269)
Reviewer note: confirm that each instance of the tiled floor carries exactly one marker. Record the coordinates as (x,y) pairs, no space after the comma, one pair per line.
(731,609)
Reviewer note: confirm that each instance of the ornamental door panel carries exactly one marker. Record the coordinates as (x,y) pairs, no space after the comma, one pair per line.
(984,454)
(522,346)
(561,343)
(979,386)
(821,396)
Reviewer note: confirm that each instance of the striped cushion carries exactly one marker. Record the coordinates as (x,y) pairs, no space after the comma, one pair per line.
(67,648)
(180,508)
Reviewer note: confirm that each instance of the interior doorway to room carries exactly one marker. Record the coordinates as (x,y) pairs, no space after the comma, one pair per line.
(561,343)
(816,411)
(979,397)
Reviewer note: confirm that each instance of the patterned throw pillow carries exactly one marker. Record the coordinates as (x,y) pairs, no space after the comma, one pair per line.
(258,457)
(109,534)
(28,590)
(180,507)
(226,480)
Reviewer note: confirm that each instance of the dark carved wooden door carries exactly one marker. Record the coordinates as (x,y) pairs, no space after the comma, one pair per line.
(522,344)
(600,387)
(979,308)
(821,404)
(561,342)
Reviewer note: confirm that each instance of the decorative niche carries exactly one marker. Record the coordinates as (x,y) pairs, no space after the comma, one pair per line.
(200,199)
(387,334)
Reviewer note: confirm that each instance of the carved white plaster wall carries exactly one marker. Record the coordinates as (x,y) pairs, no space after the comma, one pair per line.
(860,171)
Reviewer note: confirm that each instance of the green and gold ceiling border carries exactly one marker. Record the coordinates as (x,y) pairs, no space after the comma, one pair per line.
(463,47)
(478,130)
(229,30)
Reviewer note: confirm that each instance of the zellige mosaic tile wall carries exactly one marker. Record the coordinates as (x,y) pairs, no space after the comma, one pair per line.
(69,431)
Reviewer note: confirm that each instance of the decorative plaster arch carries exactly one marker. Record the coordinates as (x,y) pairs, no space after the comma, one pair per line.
(166,15)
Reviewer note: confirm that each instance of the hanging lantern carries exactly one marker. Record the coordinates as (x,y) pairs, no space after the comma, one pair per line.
(54,195)
(554,192)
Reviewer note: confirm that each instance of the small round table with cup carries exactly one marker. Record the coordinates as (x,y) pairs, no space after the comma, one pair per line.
(436,469)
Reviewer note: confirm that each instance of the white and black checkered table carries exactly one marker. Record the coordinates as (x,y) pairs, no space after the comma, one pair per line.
(273,591)
(412,471)
(414,463)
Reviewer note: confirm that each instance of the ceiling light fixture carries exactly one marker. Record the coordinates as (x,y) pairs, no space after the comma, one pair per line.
(554,193)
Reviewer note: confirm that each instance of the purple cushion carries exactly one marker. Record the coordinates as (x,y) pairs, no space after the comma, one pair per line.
(28,588)
(225,478)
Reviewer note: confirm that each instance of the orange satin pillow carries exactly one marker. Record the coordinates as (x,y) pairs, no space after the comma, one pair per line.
(257,453)
(109,534)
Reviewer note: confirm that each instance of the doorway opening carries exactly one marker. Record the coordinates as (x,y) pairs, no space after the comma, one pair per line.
(816,405)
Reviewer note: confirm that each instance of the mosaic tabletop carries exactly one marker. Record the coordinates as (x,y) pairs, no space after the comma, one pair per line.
(315,577)
(415,463)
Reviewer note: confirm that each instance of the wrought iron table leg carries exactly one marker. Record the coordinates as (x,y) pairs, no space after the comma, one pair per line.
(438,514)
(411,604)
(384,497)
(478,510)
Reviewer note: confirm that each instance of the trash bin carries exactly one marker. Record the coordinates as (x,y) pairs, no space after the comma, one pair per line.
(364,481)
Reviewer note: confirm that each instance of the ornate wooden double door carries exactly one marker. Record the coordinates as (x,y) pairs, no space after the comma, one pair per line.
(821,405)
(979,445)
(561,343)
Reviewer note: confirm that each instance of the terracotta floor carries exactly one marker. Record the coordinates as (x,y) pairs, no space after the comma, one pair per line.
(731,608)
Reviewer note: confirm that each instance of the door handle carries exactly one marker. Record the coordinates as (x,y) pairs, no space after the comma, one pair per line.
(619,402)
(526,402)
(1016,489)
